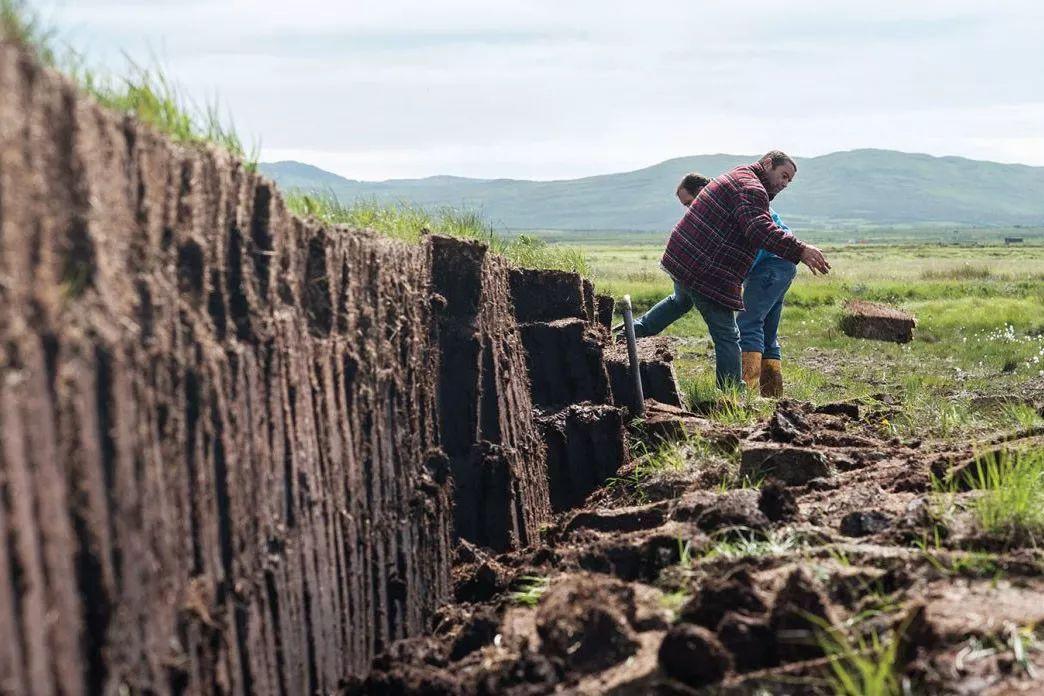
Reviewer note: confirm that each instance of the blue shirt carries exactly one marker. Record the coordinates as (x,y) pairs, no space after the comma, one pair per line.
(762,254)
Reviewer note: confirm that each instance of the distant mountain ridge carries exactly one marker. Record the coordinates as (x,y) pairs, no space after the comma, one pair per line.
(856,187)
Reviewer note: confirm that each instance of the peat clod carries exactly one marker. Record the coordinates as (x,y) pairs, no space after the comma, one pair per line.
(477,575)
(619,519)
(582,622)
(718,595)
(409,680)
(777,502)
(860,523)
(641,556)
(565,362)
(799,612)
(604,307)
(794,466)
(542,295)
(664,422)
(585,444)
(693,655)
(787,423)
(734,514)
(531,673)
(847,409)
(480,630)
(749,639)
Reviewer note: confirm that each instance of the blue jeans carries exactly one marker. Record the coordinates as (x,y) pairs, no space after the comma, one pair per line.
(721,322)
(763,292)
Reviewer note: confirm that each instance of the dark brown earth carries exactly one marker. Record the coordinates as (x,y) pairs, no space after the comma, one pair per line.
(849,537)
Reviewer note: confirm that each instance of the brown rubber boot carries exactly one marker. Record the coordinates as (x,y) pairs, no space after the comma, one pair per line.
(751,369)
(771,378)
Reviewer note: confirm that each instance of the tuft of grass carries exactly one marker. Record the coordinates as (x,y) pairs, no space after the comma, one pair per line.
(532,252)
(734,482)
(684,553)
(733,406)
(406,222)
(1011,501)
(698,391)
(966,271)
(976,564)
(150,96)
(674,601)
(749,545)
(1019,416)
(531,589)
(147,94)
(398,220)
(664,456)
(669,455)
(21,26)
(861,665)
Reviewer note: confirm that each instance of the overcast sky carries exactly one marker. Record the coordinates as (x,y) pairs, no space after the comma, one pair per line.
(559,89)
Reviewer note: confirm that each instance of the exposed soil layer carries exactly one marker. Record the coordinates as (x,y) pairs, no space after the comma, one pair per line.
(710,590)
(862,319)
(486,413)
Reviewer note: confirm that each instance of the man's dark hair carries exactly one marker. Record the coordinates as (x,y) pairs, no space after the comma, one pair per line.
(693,183)
(777,158)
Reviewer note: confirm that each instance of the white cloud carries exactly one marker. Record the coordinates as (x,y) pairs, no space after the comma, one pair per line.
(550,89)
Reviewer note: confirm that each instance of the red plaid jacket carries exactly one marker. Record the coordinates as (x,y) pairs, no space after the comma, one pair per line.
(713,246)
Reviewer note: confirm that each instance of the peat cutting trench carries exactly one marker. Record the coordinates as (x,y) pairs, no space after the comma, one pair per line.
(246,453)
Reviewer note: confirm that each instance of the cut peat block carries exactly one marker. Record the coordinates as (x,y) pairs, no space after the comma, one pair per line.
(656,361)
(794,466)
(546,295)
(604,307)
(565,362)
(862,319)
(586,444)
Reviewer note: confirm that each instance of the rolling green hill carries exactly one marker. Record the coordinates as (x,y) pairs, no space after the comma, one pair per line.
(854,189)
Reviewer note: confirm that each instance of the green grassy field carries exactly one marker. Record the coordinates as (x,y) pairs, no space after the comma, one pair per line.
(980,333)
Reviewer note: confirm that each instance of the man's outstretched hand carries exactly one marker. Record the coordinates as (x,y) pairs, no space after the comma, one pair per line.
(814,259)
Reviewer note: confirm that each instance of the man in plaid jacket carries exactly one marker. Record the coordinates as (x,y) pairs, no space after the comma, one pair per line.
(712,248)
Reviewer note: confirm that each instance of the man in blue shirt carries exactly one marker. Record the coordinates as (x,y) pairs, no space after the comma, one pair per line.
(766,284)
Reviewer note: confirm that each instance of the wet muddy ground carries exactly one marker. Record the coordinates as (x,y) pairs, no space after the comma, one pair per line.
(781,558)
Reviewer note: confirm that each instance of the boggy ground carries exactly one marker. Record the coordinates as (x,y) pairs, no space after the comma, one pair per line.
(805,554)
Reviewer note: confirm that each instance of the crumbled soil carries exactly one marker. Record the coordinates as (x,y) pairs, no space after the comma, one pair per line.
(698,588)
